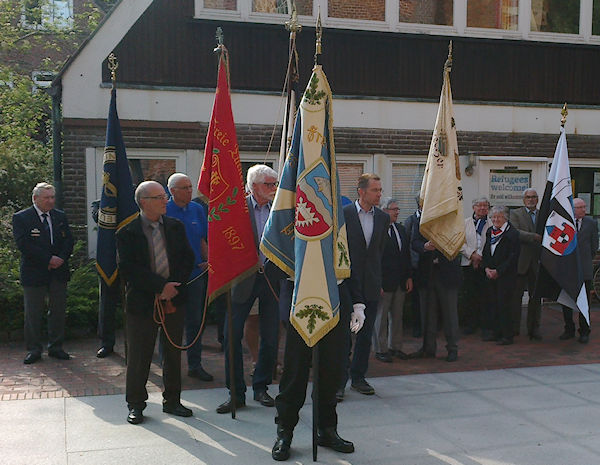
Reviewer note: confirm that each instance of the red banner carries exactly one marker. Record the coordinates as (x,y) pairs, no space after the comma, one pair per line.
(232,253)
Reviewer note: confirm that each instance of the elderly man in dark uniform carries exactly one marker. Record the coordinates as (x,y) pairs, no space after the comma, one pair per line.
(43,236)
(155,260)
(587,242)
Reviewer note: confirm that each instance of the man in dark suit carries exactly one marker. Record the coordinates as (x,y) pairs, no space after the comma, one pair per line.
(155,261)
(587,243)
(43,236)
(366,226)
(396,272)
(440,281)
(499,261)
(524,219)
(262,183)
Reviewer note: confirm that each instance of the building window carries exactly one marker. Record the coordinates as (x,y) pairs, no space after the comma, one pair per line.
(427,12)
(559,16)
(230,5)
(303,7)
(493,14)
(596,18)
(156,169)
(406,185)
(41,14)
(373,10)
(348,174)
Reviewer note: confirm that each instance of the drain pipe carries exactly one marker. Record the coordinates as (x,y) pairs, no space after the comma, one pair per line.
(55,91)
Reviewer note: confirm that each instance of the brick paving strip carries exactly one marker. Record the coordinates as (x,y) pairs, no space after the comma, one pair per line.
(86,375)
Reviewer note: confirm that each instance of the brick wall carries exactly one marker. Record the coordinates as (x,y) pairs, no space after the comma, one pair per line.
(357,9)
(80,134)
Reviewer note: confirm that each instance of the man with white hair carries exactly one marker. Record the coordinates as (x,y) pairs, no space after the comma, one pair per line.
(193,216)
(262,185)
(155,262)
(587,243)
(474,305)
(43,236)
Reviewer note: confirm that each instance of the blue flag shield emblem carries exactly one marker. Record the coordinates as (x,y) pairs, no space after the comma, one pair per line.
(305,234)
(117,204)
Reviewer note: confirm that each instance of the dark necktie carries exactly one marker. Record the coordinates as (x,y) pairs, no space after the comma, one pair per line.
(394,238)
(578,224)
(532,213)
(46,225)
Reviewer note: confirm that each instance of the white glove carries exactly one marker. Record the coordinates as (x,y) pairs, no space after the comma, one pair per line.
(357,318)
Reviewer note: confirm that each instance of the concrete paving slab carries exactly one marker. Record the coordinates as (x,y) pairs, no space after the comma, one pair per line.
(490,431)
(557,375)
(531,397)
(568,421)
(443,419)
(491,379)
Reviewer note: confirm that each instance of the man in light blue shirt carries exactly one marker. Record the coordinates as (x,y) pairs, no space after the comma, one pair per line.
(193,216)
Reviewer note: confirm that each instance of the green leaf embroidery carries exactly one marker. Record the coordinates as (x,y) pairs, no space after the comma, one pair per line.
(313,312)
(311,95)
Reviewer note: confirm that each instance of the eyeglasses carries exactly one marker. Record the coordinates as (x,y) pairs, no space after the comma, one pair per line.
(157,197)
(530,197)
(271,185)
(183,188)
(393,209)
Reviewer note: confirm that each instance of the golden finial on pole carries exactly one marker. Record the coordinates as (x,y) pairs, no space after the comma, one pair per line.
(220,38)
(113,64)
(319,34)
(564,112)
(293,25)
(448,64)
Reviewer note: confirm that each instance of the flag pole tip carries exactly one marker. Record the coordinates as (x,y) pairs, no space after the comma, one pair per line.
(220,40)
(319,34)
(113,64)
(448,63)
(564,112)
(293,25)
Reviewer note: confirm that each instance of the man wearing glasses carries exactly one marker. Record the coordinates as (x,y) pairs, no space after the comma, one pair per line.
(261,182)
(525,220)
(155,260)
(193,216)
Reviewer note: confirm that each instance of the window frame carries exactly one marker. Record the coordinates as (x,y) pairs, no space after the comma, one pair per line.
(392,23)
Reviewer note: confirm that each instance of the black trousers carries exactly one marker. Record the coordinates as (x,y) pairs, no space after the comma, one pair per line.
(297,360)
(499,314)
(584,328)
(141,336)
(107,309)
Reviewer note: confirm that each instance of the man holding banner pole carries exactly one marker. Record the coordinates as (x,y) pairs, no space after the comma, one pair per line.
(305,237)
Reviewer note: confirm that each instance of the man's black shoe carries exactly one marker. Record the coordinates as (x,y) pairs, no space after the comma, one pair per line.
(421,354)
(505,341)
(489,337)
(363,387)
(225,407)
(104,352)
(567,335)
(535,336)
(59,354)
(383,357)
(339,395)
(281,449)
(584,338)
(328,437)
(200,374)
(177,410)
(32,357)
(401,355)
(452,356)
(264,398)
(135,416)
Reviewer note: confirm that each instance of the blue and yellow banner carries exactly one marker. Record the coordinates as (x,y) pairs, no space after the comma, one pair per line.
(306,233)
(117,203)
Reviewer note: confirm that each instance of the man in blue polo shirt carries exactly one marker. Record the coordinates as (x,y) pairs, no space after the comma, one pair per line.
(193,216)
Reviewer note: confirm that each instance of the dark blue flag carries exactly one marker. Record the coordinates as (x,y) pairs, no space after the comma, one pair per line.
(117,204)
